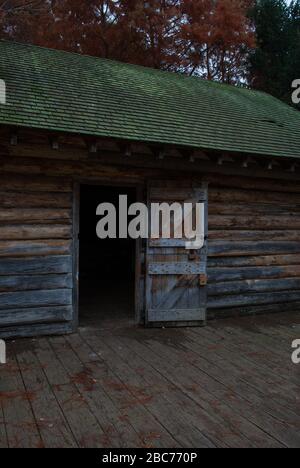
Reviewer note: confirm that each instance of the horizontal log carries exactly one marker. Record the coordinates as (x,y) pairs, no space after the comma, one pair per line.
(35,315)
(231,195)
(177,194)
(253,182)
(142,164)
(113,167)
(253,299)
(253,310)
(34,183)
(254,222)
(219,275)
(36,330)
(239,287)
(35,232)
(252,209)
(35,200)
(247,235)
(35,248)
(36,265)
(35,215)
(216,248)
(52,170)
(267,260)
(38,150)
(27,299)
(32,282)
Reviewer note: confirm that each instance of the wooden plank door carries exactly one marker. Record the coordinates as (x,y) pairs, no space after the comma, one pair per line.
(176,277)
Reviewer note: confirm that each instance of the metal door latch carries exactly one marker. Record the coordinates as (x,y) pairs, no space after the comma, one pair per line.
(203,280)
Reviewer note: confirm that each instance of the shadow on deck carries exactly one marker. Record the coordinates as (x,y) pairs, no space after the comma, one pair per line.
(231,384)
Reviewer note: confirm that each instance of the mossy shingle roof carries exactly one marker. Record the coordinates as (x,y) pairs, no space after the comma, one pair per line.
(62,91)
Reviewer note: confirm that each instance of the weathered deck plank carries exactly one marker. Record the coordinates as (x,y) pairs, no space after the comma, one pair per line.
(119,432)
(3,435)
(209,393)
(127,395)
(269,409)
(167,396)
(153,400)
(257,383)
(20,424)
(231,384)
(52,422)
(84,426)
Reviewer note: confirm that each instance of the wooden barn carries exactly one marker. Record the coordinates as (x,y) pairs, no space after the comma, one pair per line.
(76,131)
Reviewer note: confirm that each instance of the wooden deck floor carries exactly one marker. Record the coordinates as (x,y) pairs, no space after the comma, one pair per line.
(231,384)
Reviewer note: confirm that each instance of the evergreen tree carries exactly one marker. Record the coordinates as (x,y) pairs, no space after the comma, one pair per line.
(275,62)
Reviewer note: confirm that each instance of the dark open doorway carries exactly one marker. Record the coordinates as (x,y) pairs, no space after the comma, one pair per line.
(106,267)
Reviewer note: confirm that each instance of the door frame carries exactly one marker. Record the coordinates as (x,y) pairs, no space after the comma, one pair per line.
(140,190)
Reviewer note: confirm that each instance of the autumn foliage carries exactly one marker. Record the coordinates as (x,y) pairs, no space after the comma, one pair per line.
(211,38)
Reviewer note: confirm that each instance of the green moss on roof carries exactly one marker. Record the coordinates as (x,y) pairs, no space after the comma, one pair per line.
(55,90)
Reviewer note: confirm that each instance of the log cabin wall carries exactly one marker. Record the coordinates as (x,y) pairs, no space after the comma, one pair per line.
(254,249)
(36,277)
(254,232)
